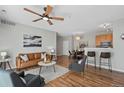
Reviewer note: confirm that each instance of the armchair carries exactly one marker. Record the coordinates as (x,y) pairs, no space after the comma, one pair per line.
(12,79)
(78,67)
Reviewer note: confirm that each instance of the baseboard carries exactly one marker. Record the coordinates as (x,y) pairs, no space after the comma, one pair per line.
(105,67)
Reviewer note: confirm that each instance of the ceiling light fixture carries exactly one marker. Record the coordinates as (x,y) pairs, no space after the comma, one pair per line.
(45,18)
(77,38)
(106,26)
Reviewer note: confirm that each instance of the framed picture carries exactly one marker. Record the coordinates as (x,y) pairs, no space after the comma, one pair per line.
(32,41)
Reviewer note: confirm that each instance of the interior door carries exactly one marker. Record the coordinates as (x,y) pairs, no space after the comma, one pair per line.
(65,47)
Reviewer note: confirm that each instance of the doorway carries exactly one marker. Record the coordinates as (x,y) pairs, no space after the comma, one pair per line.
(65,47)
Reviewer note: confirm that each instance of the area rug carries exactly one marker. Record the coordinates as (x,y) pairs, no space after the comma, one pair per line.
(48,72)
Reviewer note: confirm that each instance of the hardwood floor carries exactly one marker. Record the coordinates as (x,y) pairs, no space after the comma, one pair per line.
(63,61)
(92,77)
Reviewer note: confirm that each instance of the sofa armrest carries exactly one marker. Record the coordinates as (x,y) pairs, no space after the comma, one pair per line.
(21,74)
(34,82)
(18,62)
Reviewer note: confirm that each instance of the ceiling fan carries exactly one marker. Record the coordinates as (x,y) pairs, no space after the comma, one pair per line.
(45,16)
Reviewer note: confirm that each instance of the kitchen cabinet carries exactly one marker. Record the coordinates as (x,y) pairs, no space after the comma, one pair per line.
(103,38)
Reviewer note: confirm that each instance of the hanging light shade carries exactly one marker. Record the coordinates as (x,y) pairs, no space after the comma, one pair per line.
(78,38)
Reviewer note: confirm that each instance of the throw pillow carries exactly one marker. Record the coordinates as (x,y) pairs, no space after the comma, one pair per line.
(24,57)
(42,56)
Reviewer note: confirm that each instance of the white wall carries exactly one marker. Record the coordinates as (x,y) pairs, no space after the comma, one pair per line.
(88,37)
(118,44)
(60,40)
(59,45)
(11,39)
(65,47)
(70,41)
(117,51)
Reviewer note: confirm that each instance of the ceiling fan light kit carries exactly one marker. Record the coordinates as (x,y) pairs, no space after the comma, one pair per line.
(45,16)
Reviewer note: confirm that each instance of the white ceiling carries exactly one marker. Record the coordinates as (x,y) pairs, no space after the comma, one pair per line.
(77,18)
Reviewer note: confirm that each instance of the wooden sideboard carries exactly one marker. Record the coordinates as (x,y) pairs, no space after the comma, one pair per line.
(103,38)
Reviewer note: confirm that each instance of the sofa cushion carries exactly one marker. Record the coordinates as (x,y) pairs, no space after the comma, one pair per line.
(31,56)
(37,60)
(43,55)
(29,63)
(37,55)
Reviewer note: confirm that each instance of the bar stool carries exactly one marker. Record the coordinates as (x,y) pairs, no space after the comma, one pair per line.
(106,55)
(91,54)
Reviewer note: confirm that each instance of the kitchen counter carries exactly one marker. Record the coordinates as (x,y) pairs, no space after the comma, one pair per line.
(99,49)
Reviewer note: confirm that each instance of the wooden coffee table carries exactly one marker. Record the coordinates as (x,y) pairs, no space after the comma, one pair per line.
(43,64)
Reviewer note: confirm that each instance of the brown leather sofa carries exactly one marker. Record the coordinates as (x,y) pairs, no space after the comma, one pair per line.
(34,58)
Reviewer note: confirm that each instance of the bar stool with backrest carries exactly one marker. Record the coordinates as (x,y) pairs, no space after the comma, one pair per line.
(106,55)
(91,54)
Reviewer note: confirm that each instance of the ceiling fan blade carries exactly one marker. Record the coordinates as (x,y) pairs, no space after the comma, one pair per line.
(49,22)
(37,19)
(57,18)
(48,10)
(26,9)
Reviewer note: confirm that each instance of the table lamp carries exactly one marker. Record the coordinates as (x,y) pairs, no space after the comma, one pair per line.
(52,50)
(3,54)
